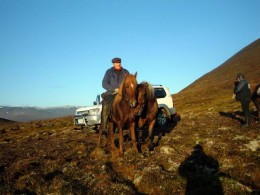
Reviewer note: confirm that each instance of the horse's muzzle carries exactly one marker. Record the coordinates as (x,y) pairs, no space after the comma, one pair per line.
(132,103)
(139,109)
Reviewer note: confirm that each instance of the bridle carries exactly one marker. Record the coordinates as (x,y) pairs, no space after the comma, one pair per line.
(142,105)
(125,96)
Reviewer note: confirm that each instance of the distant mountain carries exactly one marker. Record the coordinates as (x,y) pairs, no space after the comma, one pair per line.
(215,88)
(5,121)
(23,114)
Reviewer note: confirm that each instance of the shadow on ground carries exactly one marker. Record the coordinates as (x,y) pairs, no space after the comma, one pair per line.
(201,173)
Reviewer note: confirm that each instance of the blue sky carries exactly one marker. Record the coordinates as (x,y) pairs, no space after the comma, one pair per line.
(55,52)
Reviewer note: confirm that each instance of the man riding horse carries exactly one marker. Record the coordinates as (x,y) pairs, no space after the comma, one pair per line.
(111,82)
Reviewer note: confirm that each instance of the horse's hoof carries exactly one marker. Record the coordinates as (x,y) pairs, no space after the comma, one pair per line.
(141,155)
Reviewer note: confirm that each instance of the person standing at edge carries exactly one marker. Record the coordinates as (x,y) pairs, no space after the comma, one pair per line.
(243,94)
(111,82)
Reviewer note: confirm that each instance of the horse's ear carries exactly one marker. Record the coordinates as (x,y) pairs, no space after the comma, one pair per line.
(135,74)
(125,74)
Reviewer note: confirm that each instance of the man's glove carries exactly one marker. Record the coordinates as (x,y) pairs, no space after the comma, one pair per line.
(116,91)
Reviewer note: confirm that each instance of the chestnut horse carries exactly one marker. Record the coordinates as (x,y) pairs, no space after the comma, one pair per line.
(122,112)
(255,90)
(146,111)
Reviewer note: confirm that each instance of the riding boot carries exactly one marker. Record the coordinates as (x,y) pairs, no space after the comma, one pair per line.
(247,123)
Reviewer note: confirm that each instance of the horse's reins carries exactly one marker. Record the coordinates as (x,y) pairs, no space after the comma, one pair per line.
(127,99)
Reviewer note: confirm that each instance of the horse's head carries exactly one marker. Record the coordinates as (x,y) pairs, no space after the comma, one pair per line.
(141,98)
(145,94)
(129,90)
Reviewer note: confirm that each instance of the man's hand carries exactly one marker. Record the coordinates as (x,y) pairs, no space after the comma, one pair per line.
(234,96)
(116,91)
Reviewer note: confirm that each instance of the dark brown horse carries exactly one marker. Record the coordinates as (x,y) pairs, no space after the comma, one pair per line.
(255,90)
(122,112)
(146,111)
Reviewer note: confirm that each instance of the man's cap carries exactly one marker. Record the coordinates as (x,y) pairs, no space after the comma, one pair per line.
(116,60)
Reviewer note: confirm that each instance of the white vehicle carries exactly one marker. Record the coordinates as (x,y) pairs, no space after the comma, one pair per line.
(166,111)
(91,115)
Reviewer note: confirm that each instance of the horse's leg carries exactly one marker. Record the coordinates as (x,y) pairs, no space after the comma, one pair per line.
(150,135)
(101,125)
(256,102)
(111,136)
(141,122)
(257,105)
(120,130)
(99,135)
(139,132)
(132,130)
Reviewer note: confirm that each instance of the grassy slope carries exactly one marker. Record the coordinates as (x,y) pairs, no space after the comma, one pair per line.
(214,89)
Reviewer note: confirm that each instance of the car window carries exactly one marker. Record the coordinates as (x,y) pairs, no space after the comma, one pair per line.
(159,92)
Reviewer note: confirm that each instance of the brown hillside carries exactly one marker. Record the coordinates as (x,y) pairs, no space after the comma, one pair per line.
(215,88)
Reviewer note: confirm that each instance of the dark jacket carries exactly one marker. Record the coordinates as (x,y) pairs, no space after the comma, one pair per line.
(112,81)
(242,91)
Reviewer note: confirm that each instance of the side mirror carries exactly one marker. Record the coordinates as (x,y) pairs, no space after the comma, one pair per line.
(98,99)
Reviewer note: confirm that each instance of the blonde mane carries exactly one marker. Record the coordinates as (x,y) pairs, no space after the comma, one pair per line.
(150,91)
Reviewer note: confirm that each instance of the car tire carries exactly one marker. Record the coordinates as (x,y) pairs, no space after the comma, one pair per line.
(161,118)
(176,118)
